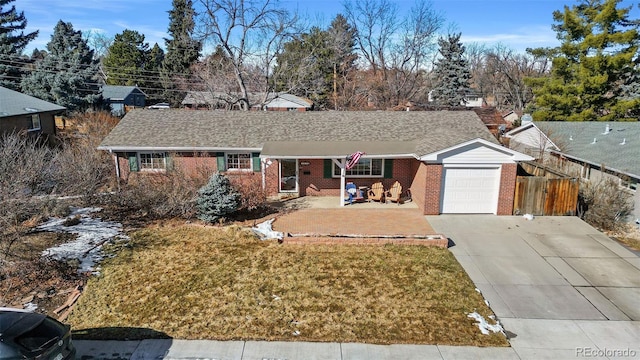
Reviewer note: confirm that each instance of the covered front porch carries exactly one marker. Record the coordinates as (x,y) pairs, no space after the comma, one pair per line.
(324,168)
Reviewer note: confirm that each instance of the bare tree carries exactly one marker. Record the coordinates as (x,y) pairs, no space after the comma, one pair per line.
(394,49)
(25,170)
(507,71)
(98,41)
(250,33)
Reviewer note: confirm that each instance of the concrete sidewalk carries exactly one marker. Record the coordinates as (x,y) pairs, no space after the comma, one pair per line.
(260,350)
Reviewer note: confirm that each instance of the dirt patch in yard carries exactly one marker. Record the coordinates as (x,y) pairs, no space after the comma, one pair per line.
(29,280)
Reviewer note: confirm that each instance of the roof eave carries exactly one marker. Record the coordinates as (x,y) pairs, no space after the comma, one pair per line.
(622,172)
(174,148)
(516,156)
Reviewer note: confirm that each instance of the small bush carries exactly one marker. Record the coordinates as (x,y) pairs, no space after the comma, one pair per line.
(217,199)
(157,196)
(252,195)
(604,204)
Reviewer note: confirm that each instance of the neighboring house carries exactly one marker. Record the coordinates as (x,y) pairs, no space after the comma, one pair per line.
(591,150)
(510,117)
(529,139)
(209,100)
(123,98)
(471,99)
(24,113)
(492,119)
(448,159)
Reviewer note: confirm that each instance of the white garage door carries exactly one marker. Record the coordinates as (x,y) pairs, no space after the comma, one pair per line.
(470,190)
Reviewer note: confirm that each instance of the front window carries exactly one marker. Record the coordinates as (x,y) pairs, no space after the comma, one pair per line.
(364,168)
(35,122)
(239,161)
(153,161)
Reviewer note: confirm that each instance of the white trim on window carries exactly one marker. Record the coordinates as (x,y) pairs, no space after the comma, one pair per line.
(152,161)
(238,161)
(365,168)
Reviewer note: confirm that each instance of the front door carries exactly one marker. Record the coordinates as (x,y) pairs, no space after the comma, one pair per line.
(288,175)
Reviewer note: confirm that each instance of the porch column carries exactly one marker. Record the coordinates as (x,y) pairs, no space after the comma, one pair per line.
(341,164)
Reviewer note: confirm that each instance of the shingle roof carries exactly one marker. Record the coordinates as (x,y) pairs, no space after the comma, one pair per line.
(576,139)
(118,92)
(13,103)
(180,129)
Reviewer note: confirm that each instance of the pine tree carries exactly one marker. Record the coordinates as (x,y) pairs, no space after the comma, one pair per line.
(12,42)
(182,49)
(217,199)
(127,59)
(67,74)
(593,67)
(153,67)
(451,72)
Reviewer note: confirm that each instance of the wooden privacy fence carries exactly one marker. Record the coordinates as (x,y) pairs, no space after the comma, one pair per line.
(549,193)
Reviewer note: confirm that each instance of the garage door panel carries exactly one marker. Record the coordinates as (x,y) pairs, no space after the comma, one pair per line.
(470,190)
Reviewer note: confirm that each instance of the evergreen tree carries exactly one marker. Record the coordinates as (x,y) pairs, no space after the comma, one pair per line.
(217,199)
(451,72)
(593,66)
(342,39)
(67,74)
(304,68)
(12,42)
(153,67)
(182,49)
(127,60)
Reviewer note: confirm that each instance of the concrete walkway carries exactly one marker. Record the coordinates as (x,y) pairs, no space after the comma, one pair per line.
(561,289)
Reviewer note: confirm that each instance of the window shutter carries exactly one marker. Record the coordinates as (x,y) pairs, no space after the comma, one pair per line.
(328,168)
(133,161)
(221,161)
(256,161)
(388,168)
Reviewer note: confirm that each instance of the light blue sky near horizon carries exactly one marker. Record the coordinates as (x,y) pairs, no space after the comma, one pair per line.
(511,23)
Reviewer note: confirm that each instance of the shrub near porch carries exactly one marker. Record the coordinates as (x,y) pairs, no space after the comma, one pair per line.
(192,282)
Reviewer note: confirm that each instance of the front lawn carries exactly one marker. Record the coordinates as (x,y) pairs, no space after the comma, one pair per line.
(191,282)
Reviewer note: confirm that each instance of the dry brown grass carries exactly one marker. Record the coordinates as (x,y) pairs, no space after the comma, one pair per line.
(191,282)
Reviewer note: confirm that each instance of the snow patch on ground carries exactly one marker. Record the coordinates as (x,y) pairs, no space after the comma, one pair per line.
(484,325)
(91,233)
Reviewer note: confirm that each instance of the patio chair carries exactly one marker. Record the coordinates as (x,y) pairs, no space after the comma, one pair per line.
(394,193)
(376,192)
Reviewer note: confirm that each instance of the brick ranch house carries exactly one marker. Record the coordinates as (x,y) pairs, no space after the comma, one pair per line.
(448,159)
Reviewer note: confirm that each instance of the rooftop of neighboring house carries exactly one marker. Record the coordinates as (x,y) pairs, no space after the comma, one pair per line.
(118,92)
(13,103)
(375,132)
(615,145)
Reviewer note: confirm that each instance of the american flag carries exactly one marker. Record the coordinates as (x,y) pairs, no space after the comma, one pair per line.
(352,159)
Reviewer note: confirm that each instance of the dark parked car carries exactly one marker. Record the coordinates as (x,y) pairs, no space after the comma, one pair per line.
(27,335)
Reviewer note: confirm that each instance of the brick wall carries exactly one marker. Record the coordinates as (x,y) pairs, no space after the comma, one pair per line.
(433,188)
(313,183)
(507,189)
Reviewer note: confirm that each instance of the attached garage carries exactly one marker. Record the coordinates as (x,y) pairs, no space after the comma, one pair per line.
(470,190)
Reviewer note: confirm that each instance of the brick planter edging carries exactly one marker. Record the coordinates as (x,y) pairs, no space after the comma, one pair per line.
(437,240)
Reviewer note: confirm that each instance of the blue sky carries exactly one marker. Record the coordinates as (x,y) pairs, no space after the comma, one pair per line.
(517,24)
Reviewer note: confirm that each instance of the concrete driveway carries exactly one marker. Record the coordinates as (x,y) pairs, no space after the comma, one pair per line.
(556,283)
